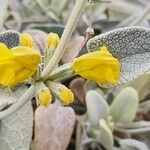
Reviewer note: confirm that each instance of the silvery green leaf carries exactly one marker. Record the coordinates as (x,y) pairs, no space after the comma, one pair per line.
(6,97)
(10,38)
(105,135)
(124,106)
(130,144)
(130,45)
(16,129)
(127,22)
(120,9)
(19,90)
(134,125)
(97,107)
(141,85)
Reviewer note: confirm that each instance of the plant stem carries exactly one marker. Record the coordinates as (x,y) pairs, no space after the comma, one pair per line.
(142,16)
(30,93)
(70,26)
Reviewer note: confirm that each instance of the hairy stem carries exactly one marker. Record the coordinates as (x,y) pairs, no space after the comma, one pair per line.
(30,93)
(70,26)
(142,16)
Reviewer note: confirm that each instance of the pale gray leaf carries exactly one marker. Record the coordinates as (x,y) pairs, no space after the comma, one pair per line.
(16,129)
(130,45)
(130,19)
(6,97)
(105,135)
(10,38)
(134,125)
(124,106)
(97,107)
(130,144)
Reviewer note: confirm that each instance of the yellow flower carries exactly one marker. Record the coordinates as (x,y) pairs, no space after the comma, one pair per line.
(65,95)
(44,97)
(52,39)
(17,64)
(26,39)
(99,66)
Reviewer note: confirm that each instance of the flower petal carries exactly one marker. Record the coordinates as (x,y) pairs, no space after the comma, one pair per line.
(17,65)
(100,66)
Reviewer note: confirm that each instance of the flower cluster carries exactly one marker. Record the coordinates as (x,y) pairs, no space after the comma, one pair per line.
(21,62)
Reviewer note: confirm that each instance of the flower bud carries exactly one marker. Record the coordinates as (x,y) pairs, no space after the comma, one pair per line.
(65,95)
(44,97)
(25,39)
(52,39)
(61,92)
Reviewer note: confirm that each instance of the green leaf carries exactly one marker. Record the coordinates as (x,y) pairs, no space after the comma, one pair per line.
(130,45)
(97,107)
(124,106)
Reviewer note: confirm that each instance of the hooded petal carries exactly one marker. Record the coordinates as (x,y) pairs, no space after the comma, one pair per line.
(17,64)
(100,66)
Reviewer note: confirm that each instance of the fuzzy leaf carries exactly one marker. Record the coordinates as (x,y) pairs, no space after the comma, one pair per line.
(6,97)
(130,45)
(142,85)
(16,129)
(97,108)
(124,106)
(130,144)
(10,38)
(105,135)
(53,127)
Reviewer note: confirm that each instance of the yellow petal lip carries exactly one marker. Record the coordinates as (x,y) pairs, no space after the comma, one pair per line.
(17,64)
(52,39)
(65,95)
(44,97)
(99,66)
(26,39)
